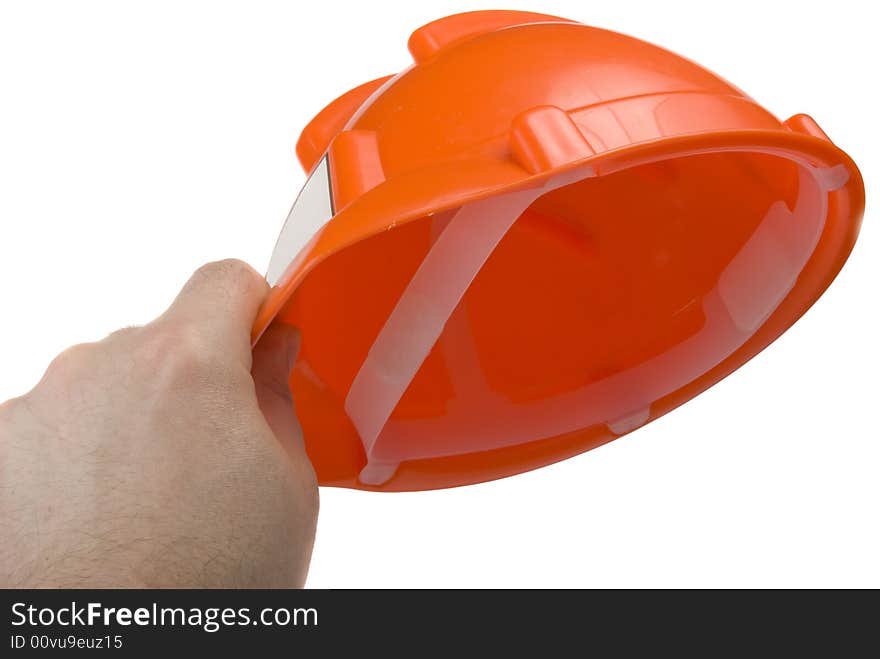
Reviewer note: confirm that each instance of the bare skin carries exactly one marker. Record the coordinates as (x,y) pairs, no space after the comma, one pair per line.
(163,456)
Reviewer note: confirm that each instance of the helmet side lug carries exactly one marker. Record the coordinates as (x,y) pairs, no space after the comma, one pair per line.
(545,137)
(355,165)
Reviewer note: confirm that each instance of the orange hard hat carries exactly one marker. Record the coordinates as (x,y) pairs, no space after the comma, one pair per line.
(537,238)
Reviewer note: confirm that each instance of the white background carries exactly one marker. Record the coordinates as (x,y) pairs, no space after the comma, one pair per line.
(141,139)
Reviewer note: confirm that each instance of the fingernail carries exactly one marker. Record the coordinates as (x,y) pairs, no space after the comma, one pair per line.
(292,343)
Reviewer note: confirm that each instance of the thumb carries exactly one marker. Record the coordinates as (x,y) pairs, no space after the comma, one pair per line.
(274,357)
(220,301)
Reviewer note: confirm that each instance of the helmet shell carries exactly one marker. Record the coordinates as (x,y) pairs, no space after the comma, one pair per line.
(539,237)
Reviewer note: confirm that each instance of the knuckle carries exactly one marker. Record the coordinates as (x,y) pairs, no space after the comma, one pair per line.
(187,351)
(7,409)
(312,498)
(123,334)
(68,362)
(306,496)
(17,415)
(187,356)
(302,485)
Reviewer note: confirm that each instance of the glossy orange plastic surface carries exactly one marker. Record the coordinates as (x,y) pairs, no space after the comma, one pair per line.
(540,237)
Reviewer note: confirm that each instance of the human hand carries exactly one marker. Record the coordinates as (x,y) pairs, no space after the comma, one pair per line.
(163,456)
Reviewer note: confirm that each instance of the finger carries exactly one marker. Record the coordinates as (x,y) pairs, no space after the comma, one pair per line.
(221,299)
(274,358)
